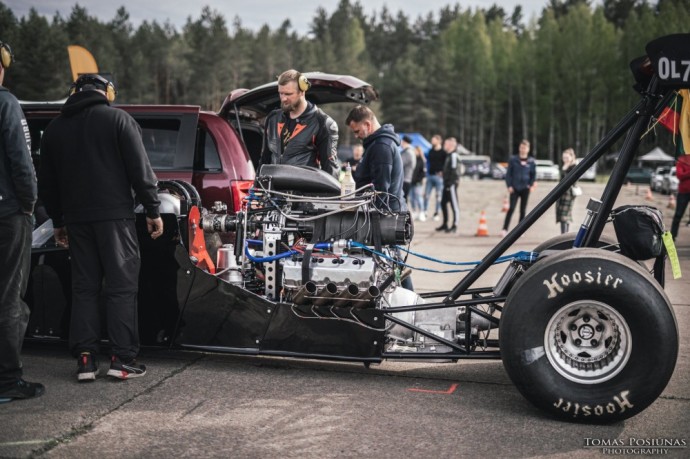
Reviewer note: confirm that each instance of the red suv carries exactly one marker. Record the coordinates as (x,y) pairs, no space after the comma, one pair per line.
(183,142)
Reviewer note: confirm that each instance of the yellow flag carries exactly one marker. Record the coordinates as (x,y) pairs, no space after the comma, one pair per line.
(684,123)
(81,61)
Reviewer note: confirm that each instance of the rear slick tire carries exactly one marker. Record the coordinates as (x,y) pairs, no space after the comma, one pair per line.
(566,241)
(587,336)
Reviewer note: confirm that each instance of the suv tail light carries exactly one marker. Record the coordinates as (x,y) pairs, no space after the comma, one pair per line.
(239,189)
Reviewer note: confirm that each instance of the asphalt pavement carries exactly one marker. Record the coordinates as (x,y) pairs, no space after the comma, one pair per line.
(193,404)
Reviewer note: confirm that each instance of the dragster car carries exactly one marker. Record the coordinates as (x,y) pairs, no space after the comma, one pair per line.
(304,271)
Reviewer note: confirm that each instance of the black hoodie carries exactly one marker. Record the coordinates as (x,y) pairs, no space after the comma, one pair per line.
(382,166)
(92,158)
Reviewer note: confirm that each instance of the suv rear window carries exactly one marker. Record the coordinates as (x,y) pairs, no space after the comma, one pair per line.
(160,138)
(207,158)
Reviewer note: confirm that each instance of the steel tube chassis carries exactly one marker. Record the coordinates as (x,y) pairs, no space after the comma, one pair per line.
(224,317)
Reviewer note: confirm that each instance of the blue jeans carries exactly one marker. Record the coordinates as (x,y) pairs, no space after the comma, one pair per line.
(15,260)
(416,197)
(433,182)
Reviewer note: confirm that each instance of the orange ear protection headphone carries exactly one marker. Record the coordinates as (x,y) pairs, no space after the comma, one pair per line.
(96,80)
(303,83)
(6,56)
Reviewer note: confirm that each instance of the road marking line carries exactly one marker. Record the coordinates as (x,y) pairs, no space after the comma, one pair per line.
(450,390)
(25,442)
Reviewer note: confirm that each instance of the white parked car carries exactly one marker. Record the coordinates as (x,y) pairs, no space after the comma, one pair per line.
(658,177)
(590,174)
(547,170)
(670,182)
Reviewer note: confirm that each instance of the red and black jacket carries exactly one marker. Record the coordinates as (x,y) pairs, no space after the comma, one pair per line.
(313,141)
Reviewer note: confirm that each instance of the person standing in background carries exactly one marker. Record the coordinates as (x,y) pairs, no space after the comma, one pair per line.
(683,174)
(357,152)
(520,177)
(408,159)
(436,157)
(417,189)
(564,205)
(17,200)
(451,180)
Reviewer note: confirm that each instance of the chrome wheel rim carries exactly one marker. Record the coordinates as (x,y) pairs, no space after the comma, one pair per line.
(587,342)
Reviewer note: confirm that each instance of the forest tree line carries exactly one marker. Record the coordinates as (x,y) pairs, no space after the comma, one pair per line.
(489,77)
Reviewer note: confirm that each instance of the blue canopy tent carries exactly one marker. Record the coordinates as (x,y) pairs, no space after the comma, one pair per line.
(418,140)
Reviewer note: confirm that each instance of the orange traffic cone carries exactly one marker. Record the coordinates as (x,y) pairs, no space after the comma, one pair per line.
(671,201)
(483,229)
(649,196)
(506,205)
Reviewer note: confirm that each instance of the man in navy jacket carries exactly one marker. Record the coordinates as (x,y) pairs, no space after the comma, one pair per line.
(520,177)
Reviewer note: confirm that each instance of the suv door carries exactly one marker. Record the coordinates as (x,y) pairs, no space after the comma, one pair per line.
(222,168)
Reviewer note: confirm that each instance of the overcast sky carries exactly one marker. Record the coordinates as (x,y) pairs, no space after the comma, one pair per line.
(253,14)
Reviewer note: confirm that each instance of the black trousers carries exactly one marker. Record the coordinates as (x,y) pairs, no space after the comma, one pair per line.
(406,189)
(523,195)
(105,264)
(681,206)
(450,197)
(15,264)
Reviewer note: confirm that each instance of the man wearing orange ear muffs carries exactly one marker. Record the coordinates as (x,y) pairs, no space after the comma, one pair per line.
(299,133)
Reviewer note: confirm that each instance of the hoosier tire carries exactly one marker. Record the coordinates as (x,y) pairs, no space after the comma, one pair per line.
(565,241)
(587,336)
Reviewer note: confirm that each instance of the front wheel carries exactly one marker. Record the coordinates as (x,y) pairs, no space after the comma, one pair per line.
(587,336)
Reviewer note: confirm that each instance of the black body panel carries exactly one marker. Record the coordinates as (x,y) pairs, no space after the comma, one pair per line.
(216,314)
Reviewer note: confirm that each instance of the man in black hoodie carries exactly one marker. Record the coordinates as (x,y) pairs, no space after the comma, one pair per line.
(381,164)
(92,159)
(17,199)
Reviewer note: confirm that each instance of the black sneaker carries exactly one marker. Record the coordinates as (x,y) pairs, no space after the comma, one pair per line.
(121,370)
(21,390)
(87,368)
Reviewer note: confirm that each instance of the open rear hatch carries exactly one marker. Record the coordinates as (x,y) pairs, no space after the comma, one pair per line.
(245,109)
